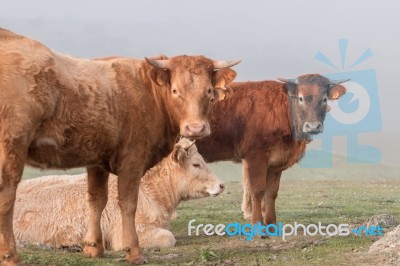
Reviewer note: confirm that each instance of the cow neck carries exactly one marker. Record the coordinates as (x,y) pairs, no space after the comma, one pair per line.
(158,184)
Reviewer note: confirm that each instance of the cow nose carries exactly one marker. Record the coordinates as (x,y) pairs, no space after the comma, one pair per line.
(197,129)
(313,127)
(222,186)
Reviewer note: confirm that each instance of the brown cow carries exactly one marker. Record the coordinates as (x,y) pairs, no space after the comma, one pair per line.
(116,116)
(268,127)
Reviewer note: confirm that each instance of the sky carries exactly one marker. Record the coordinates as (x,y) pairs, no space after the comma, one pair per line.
(273,38)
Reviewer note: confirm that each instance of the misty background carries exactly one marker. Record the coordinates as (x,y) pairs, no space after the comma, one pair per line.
(273,38)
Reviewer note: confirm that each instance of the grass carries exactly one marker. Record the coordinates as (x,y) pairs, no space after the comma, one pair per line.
(343,194)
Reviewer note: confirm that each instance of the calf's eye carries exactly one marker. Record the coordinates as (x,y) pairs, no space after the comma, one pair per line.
(301,99)
(196,165)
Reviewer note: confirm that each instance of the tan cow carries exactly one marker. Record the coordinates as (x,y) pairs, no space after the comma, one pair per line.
(52,210)
(118,116)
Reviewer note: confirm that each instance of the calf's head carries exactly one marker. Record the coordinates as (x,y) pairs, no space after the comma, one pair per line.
(191,84)
(194,177)
(308,102)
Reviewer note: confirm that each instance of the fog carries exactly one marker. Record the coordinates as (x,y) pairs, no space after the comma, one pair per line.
(273,38)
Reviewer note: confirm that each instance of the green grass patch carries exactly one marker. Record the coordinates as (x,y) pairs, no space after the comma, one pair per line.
(344,194)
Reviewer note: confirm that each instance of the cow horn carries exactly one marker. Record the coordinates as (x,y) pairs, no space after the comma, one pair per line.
(189,144)
(336,82)
(293,81)
(160,63)
(225,64)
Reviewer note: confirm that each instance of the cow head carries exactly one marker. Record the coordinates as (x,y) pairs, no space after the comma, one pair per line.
(191,84)
(195,178)
(308,102)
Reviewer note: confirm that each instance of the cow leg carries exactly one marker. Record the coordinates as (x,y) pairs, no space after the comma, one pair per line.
(97,198)
(128,191)
(12,160)
(256,168)
(246,201)
(271,193)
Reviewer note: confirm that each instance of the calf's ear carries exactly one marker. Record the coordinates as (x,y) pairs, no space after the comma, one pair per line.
(159,76)
(222,78)
(336,92)
(179,154)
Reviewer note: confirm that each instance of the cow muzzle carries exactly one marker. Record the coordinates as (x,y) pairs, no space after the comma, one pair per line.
(195,130)
(313,127)
(216,189)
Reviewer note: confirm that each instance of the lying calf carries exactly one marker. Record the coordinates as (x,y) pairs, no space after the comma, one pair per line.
(53,210)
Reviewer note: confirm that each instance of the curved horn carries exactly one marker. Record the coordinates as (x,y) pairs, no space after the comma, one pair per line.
(293,81)
(336,82)
(160,63)
(225,64)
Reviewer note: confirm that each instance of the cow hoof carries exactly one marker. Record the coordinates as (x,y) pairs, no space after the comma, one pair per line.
(9,259)
(136,259)
(92,250)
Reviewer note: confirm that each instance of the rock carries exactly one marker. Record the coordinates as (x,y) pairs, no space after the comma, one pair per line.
(389,243)
(384,220)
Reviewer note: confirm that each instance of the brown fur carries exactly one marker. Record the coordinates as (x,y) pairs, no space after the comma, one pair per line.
(108,115)
(252,125)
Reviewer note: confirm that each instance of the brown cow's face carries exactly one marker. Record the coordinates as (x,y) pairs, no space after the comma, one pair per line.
(308,103)
(192,85)
(195,178)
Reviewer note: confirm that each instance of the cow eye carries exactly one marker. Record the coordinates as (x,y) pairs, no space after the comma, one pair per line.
(325,99)
(196,165)
(301,99)
(174,91)
(209,91)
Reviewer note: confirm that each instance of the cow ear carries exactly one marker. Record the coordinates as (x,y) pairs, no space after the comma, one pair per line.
(222,78)
(336,92)
(220,94)
(159,76)
(179,154)
(291,89)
